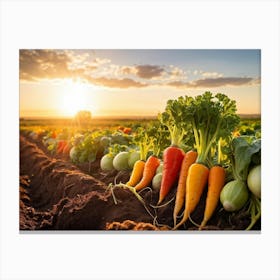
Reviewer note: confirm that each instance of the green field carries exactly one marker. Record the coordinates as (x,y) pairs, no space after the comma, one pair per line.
(247,122)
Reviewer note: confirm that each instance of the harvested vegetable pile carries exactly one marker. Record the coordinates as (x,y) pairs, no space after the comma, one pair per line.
(189,171)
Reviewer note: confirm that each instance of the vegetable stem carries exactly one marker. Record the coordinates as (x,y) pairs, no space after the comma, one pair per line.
(254,210)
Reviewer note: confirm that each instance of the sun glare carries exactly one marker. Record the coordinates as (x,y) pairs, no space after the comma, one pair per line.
(75,97)
(72,103)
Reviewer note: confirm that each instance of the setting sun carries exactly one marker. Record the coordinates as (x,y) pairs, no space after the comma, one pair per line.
(72,103)
(75,97)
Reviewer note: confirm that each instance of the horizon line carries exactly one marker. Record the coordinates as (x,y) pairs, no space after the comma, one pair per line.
(116,116)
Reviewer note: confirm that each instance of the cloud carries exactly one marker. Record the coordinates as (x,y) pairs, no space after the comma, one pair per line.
(57,64)
(101,61)
(257,81)
(37,65)
(176,72)
(81,62)
(149,71)
(43,64)
(215,82)
(178,84)
(116,83)
(127,70)
(144,71)
(212,75)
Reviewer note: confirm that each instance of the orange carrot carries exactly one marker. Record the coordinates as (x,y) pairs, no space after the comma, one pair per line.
(189,159)
(172,160)
(127,130)
(196,181)
(60,146)
(216,181)
(137,173)
(66,149)
(149,172)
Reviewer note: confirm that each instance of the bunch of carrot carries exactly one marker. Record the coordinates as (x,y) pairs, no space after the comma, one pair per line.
(210,117)
(197,178)
(145,168)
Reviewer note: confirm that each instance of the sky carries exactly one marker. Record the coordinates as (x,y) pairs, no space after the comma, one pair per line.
(59,83)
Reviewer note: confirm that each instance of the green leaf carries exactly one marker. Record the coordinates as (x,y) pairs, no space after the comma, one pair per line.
(92,157)
(243,151)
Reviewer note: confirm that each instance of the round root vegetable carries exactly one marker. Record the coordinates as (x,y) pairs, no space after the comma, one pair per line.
(254,181)
(157,181)
(189,159)
(137,173)
(149,172)
(172,160)
(216,181)
(132,158)
(196,182)
(160,168)
(234,195)
(120,161)
(106,162)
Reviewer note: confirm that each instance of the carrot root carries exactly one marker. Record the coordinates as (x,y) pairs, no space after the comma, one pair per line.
(196,181)
(149,171)
(188,160)
(137,173)
(172,161)
(216,182)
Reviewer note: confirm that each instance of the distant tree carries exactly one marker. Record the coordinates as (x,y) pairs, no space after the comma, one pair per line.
(83,118)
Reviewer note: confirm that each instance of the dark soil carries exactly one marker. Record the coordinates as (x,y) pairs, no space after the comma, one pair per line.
(57,195)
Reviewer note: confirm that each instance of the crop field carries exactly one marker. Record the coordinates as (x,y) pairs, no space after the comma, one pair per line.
(138,173)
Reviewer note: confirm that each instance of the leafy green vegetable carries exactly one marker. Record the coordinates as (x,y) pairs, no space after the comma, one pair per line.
(211,118)
(117,148)
(241,156)
(121,138)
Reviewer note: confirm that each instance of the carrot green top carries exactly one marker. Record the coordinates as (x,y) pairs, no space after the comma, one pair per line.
(212,117)
(173,118)
(152,138)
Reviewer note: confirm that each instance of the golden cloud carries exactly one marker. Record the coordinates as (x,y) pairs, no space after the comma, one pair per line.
(215,82)
(149,71)
(43,64)
(115,83)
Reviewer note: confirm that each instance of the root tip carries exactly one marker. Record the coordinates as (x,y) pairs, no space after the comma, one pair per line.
(202,225)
